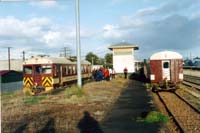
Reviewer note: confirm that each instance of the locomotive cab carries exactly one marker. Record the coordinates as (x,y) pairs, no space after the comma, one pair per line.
(37,78)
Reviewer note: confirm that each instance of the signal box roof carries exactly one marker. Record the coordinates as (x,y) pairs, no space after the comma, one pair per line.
(166,55)
(122,45)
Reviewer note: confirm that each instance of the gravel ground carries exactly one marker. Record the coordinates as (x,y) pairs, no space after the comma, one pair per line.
(186,117)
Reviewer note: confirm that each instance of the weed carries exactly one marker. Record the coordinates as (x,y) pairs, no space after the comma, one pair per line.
(74,90)
(152,117)
(33,99)
(147,85)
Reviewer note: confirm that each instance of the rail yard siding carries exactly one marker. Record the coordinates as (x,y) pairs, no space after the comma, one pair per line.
(191,72)
(12,86)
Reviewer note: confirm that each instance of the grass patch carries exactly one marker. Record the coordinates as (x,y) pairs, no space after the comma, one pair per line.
(74,91)
(152,117)
(33,99)
(147,85)
(7,94)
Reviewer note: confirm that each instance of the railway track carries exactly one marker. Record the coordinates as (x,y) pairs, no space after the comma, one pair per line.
(184,115)
(192,81)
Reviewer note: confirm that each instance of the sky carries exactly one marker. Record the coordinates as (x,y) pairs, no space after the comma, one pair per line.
(47,26)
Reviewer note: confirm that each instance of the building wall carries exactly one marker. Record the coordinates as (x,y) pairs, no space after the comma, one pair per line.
(123,58)
(14,64)
(12,86)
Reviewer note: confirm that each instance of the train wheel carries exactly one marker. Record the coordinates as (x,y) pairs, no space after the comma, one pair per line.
(154,88)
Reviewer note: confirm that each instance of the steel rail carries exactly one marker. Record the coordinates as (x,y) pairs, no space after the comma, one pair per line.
(180,128)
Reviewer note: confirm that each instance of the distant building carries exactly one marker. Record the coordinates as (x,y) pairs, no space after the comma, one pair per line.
(123,56)
(10,80)
(196,61)
(15,64)
(96,67)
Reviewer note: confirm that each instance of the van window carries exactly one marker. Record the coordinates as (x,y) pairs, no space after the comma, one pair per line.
(46,69)
(27,69)
(166,65)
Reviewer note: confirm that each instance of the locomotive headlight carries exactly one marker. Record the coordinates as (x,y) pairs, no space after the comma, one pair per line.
(180,76)
(152,77)
(35,83)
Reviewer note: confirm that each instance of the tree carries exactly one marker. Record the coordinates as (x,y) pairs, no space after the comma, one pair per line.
(92,58)
(109,60)
(108,57)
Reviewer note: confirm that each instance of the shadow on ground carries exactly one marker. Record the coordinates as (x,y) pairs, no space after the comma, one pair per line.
(88,124)
(49,127)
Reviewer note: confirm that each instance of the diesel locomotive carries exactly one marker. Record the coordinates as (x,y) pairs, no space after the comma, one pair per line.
(43,73)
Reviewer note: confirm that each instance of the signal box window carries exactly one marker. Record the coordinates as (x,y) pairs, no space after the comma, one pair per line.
(166,65)
(28,69)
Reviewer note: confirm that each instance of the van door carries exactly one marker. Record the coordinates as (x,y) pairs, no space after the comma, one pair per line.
(60,75)
(166,70)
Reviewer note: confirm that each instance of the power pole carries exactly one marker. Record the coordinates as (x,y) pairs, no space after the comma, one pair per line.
(92,61)
(8,58)
(78,47)
(23,52)
(65,51)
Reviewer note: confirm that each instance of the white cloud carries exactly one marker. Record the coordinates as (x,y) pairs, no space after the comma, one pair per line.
(45,3)
(111,31)
(157,28)
(38,34)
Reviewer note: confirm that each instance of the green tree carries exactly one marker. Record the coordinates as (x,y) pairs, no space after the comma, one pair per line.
(91,57)
(108,57)
(109,60)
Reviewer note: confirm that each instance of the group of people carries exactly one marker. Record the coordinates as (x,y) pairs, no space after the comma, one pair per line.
(103,74)
(106,74)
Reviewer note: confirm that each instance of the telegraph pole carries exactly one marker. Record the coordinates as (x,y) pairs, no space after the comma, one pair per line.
(78,47)
(65,52)
(92,61)
(8,58)
(23,52)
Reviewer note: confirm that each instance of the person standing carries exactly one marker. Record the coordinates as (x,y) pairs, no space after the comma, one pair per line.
(125,72)
(113,73)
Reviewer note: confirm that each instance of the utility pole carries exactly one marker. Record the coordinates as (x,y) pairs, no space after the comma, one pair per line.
(23,52)
(78,47)
(92,61)
(8,58)
(66,51)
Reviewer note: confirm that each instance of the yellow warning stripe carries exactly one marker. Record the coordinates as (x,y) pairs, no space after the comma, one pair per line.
(47,81)
(28,81)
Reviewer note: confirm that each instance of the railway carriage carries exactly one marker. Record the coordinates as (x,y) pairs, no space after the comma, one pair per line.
(44,73)
(166,69)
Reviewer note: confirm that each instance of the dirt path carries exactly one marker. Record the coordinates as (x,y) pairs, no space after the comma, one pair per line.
(133,103)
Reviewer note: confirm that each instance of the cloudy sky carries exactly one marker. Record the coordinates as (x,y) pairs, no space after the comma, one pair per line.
(45,27)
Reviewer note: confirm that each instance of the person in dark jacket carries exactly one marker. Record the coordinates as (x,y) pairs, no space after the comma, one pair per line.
(125,72)
(99,76)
